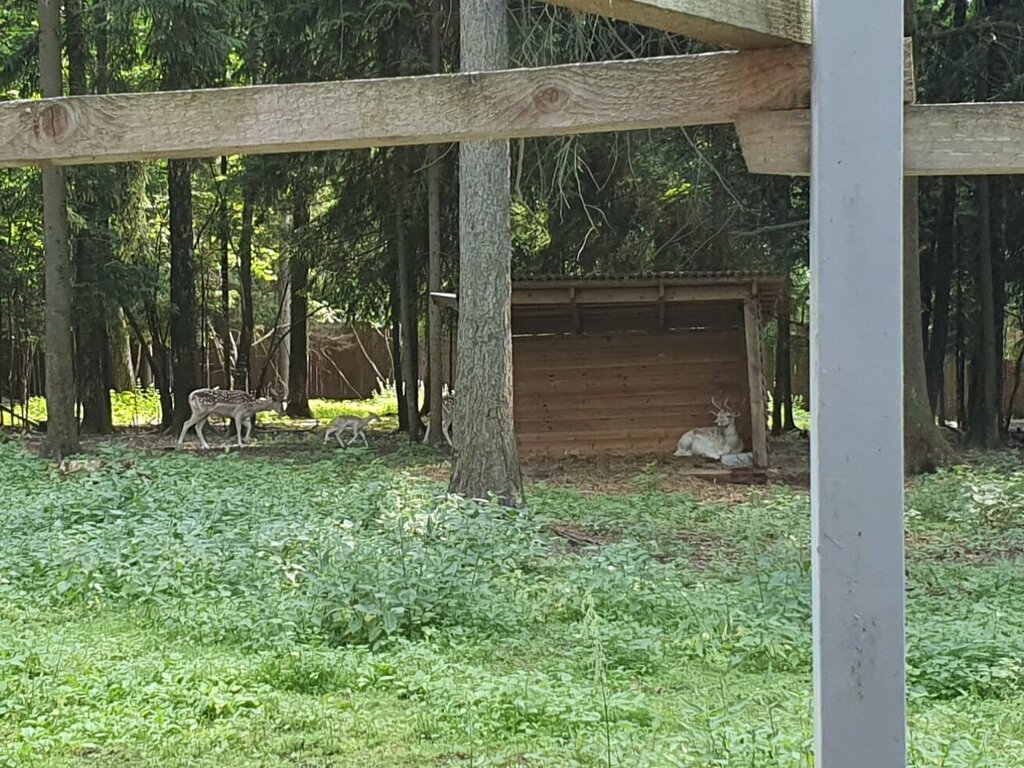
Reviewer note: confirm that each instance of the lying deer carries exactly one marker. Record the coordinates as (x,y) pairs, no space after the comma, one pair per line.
(230,403)
(713,442)
(342,424)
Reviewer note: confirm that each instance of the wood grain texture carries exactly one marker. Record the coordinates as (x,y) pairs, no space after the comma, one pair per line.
(567,99)
(982,139)
(623,394)
(728,23)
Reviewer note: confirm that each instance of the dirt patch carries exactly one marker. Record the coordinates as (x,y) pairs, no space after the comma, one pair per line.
(701,550)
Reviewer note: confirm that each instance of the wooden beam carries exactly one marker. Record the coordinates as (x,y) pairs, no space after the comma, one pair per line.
(568,99)
(983,139)
(856,266)
(728,23)
(758,431)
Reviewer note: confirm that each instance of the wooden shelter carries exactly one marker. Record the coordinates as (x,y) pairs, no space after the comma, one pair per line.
(624,366)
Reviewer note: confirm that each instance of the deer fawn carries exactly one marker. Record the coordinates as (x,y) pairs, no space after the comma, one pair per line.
(231,403)
(447,416)
(713,442)
(342,424)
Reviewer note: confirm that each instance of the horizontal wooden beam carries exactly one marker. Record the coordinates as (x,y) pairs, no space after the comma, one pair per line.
(728,23)
(977,139)
(569,99)
(587,295)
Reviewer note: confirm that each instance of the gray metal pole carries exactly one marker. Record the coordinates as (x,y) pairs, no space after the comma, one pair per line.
(857,383)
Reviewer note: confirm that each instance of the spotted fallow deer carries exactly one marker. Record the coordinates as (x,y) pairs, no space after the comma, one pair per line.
(343,424)
(713,442)
(231,403)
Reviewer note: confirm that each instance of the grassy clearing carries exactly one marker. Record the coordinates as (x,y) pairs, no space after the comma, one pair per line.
(336,609)
(142,409)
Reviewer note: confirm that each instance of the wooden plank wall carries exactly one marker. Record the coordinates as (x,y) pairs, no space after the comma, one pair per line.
(628,394)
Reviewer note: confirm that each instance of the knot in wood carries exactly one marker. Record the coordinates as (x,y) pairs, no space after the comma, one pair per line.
(549,98)
(53,122)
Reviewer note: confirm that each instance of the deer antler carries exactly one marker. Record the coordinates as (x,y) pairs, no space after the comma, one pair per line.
(715,403)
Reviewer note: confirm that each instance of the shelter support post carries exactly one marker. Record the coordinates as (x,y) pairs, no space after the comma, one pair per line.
(857,384)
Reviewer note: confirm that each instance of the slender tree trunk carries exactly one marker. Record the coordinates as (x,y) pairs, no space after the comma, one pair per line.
(486,456)
(406,279)
(782,398)
(945,245)
(961,357)
(184,354)
(61,426)
(225,274)
(997,211)
(243,364)
(984,430)
(396,351)
(284,281)
(298,364)
(925,448)
(122,376)
(435,363)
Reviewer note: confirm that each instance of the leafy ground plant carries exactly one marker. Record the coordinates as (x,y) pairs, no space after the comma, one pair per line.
(335,608)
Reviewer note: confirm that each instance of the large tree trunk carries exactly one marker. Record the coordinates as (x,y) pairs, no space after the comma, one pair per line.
(486,457)
(298,363)
(122,375)
(225,274)
(90,252)
(184,355)
(998,229)
(435,362)
(945,245)
(406,296)
(61,425)
(243,363)
(925,448)
(984,430)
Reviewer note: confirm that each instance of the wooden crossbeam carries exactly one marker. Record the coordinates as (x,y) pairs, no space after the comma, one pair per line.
(979,139)
(728,23)
(579,98)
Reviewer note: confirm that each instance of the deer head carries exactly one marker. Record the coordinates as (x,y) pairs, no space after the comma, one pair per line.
(725,415)
(276,398)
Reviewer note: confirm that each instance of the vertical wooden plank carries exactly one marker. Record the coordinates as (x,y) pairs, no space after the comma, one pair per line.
(758,433)
(856,384)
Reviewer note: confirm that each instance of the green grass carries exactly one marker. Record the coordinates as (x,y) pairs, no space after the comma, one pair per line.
(142,409)
(336,609)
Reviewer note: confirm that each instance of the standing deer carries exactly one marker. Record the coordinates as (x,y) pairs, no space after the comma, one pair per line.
(231,403)
(713,442)
(447,416)
(342,424)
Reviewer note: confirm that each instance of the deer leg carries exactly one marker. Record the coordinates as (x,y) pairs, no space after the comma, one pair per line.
(184,430)
(199,432)
(362,434)
(248,428)
(238,428)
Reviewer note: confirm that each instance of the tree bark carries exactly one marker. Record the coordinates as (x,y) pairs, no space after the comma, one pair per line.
(486,457)
(122,376)
(406,296)
(284,297)
(243,362)
(925,447)
(298,362)
(435,360)
(61,425)
(184,355)
(90,253)
(396,347)
(782,397)
(225,274)
(984,431)
(945,252)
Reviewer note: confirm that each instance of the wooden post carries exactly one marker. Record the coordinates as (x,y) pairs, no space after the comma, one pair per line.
(758,434)
(857,384)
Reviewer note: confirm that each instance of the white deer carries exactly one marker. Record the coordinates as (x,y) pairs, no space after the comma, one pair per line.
(447,416)
(231,403)
(343,424)
(713,442)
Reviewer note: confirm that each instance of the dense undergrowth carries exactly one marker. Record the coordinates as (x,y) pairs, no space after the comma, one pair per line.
(338,609)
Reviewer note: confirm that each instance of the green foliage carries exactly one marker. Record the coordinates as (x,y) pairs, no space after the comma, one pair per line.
(228,610)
